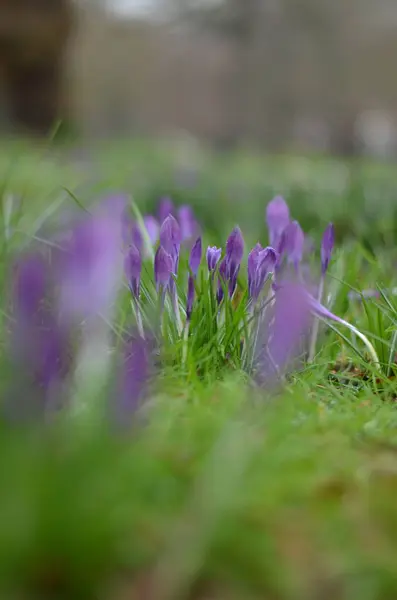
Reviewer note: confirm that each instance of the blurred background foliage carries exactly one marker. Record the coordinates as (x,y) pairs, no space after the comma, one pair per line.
(278,74)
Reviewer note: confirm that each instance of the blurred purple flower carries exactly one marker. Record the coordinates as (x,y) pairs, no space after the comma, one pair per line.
(91,267)
(133,380)
(152,227)
(187,222)
(327,246)
(39,344)
(293,243)
(277,217)
(284,327)
(133,267)
(234,255)
(213,256)
(166,208)
(136,236)
(163,265)
(30,286)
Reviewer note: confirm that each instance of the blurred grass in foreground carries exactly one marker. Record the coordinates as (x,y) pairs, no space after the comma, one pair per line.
(223,493)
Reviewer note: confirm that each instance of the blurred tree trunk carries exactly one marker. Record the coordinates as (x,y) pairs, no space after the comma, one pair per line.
(33,39)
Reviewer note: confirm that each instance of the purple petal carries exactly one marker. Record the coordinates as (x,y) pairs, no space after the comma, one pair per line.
(134,378)
(293,244)
(163,264)
(321,310)
(166,208)
(253,260)
(213,256)
(327,246)
(170,236)
(136,236)
(277,217)
(30,286)
(234,248)
(92,266)
(133,267)
(195,257)
(222,280)
(190,298)
(289,322)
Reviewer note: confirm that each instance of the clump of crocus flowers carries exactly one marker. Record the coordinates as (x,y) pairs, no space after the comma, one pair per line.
(270,270)
(61,339)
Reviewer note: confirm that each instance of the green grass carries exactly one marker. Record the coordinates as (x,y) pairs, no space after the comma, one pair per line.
(222,490)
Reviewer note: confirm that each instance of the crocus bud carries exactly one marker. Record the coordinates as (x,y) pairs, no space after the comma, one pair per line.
(293,243)
(277,217)
(170,236)
(234,254)
(222,279)
(133,267)
(234,247)
(195,257)
(190,298)
(253,259)
(260,264)
(327,246)
(213,256)
(163,265)
(136,236)
(166,208)
(92,266)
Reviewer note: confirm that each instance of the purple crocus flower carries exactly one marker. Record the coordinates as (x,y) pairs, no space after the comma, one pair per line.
(91,267)
(133,380)
(136,236)
(222,280)
(286,323)
(253,259)
(213,257)
(127,224)
(30,286)
(194,263)
(277,217)
(195,257)
(293,243)
(166,208)
(234,254)
(133,267)
(170,236)
(261,262)
(327,246)
(39,344)
(152,227)
(163,265)
(187,222)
